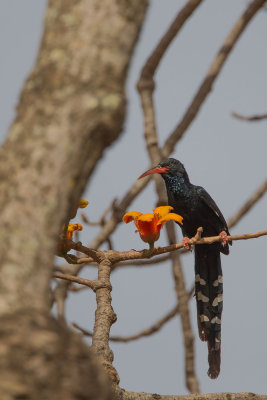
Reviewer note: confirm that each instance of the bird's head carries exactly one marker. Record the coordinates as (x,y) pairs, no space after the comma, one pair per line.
(170,167)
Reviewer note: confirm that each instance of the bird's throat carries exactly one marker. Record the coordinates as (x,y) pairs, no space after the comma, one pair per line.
(177,185)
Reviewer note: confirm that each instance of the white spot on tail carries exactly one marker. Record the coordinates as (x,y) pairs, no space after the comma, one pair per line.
(215,320)
(200,280)
(219,280)
(201,297)
(217,300)
(204,318)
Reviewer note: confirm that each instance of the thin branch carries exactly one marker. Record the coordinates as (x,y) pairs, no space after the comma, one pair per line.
(64,269)
(75,288)
(256,196)
(84,331)
(102,220)
(116,256)
(251,118)
(86,220)
(211,75)
(146,332)
(94,285)
(142,263)
(154,59)
(65,245)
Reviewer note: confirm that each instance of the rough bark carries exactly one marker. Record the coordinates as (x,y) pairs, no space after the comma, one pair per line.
(41,359)
(71,108)
(125,395)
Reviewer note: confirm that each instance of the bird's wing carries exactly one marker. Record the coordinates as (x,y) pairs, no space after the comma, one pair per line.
(210,203)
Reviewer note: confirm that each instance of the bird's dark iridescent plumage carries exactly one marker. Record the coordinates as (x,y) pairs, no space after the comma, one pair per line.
(197,208)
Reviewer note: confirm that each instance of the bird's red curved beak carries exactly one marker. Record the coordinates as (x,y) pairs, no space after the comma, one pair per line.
(154,170)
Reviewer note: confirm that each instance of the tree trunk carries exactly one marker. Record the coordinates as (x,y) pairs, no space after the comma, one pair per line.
(72,107)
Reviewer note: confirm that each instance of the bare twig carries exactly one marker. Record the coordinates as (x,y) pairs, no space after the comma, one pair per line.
(103,217)
(64,269)
(75,288)
(142,263)
(94,285)
(154,59)
(251,118)
(211,75)
(256,196)
(84,331)
(146,332)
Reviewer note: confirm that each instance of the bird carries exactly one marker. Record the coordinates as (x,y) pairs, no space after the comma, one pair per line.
(198,209)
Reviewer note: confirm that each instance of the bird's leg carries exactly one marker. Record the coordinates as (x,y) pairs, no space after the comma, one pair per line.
(186,243)
(223,236)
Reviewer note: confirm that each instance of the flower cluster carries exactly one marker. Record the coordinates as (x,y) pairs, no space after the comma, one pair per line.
(83,203)
(75,227)
(72,228)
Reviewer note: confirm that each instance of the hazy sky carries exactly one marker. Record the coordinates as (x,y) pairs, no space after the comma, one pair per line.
(226,156)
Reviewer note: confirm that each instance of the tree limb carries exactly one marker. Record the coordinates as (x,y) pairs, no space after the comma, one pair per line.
(211,75)
(117,256)
(125,395)
(94,285)
(252,118)
(245,208)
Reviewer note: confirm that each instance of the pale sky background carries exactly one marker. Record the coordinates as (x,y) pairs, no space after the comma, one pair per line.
(226,156)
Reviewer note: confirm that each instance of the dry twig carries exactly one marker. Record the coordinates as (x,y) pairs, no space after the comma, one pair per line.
(142,263)
(146,332)
(244,209)
(252,118)
(94,285)
(211,75)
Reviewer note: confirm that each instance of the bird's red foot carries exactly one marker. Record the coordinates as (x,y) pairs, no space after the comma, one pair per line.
(186,243)
(224,239)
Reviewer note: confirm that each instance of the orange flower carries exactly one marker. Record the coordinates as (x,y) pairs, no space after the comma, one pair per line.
(149,225)
(72,228)
(83,203)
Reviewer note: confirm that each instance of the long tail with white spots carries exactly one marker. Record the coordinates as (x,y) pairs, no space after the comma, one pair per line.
(209,297)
